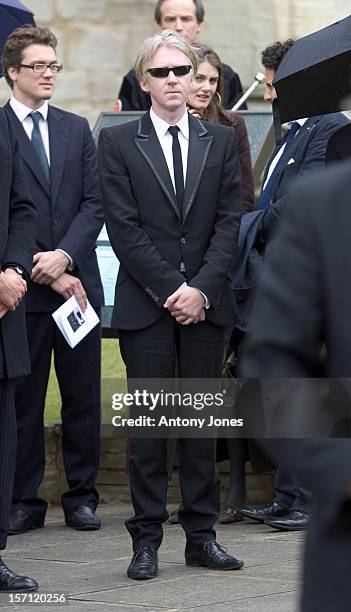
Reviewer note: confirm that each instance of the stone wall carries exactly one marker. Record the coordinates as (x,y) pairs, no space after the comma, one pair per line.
(98,39)
(112,481)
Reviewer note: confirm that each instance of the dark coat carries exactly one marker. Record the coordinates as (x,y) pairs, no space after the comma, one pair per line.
(304,301)
(73,199)
(17,245)
(307,153)
(134,98)
(147,232)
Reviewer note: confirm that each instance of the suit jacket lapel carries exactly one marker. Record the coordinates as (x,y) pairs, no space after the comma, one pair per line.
(149,146)
(58,138)
(296,149)
(199,147)
(27,151)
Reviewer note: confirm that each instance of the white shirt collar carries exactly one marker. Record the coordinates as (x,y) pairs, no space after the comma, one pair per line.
(22,111)
(161,126)
(301,122)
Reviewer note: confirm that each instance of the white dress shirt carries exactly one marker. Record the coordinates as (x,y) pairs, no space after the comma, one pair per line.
(166,141)
(22,112)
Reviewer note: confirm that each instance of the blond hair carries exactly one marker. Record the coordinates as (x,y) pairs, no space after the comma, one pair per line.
(166,38)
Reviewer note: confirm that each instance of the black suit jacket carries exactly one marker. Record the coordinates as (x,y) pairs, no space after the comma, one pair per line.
(307,153)
(17,245)
(134,98)
(70,214)
(304,301)
(145,227)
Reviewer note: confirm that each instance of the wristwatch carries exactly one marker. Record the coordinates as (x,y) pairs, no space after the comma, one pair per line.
(17,269)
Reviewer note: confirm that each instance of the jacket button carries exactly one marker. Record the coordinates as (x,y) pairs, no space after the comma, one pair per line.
(54,222)
(156,299)
(183,240)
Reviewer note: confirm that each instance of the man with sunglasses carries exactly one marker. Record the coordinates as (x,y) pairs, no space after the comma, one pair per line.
(186,18)
(171,190)
(60,163)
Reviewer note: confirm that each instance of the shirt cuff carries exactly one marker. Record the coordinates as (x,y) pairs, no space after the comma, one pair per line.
(70,260)
(207,303)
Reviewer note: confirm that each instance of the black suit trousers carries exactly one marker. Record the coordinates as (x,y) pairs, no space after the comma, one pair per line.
(78,375)
(152,353)
(7,454)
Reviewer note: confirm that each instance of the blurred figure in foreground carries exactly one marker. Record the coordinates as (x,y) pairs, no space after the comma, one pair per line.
(304,303)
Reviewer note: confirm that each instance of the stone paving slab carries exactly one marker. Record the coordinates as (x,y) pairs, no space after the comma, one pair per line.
(286,602)
(91,568)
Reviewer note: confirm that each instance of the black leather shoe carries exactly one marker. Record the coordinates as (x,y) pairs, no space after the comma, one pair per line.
(296,520)
(21,521)
(210,554)
(83,519)
(10,581)
(144,564)
(260,514)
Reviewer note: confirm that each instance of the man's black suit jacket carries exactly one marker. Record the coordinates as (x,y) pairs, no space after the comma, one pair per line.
(17,245)
(150,236)
(70,214)
(304,301)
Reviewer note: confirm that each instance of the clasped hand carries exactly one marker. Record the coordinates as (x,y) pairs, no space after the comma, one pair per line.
(48,266)
(12,289)
(186,305)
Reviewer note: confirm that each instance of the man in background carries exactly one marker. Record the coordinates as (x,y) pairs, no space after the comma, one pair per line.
(185,17)
(18,232)
(59,159)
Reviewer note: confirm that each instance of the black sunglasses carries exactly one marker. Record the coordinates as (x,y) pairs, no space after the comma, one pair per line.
(162,73)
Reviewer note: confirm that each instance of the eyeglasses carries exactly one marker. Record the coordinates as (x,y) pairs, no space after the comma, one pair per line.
(162,73)
(41,68)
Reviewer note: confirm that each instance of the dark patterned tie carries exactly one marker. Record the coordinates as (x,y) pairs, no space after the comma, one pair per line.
(38,144)
(177,166)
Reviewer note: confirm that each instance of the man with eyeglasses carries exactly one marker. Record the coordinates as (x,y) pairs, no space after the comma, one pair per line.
(186,18)
(171,190)
(60,163)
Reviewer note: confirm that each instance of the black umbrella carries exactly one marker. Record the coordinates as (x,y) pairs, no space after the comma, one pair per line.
(13,14)
(314,77)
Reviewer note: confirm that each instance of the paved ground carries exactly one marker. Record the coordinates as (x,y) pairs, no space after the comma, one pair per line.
(91,569)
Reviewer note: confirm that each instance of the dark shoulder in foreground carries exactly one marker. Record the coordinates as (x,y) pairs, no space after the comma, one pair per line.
(326,187)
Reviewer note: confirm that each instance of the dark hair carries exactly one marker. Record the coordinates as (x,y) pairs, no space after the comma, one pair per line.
(199,11)
(19,40)
(273,55)
(215,111)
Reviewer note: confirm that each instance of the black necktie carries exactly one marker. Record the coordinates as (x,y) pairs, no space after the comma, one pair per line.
(38,144)
(266,194)
(177,166)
